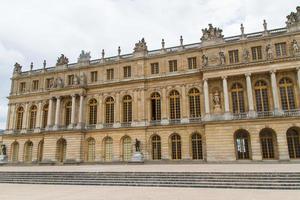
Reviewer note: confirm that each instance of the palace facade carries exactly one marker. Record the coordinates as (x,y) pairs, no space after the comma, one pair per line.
(220,100)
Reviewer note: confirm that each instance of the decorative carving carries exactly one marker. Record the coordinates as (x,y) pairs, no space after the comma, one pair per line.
(222,58)
(293,20)
(212,33)
(295,48)
(204,60)
(141,46)
(269,52)
(58,83)
(17,68)
(84,57)
(246,55)
(62,60)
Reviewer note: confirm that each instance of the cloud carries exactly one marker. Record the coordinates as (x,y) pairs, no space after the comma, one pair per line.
(34,30)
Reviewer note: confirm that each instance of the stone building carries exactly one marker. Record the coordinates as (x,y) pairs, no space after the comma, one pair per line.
(219,100)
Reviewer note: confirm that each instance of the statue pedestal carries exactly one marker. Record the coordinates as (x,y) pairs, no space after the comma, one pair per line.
(137,157)
(3,159)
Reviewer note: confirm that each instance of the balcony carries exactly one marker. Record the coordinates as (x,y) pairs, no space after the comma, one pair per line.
(126,124)
(108,125)
(175,121)
(291,113)
(91,126)
(155,122)
(237,116)
(195,120)
(265,114)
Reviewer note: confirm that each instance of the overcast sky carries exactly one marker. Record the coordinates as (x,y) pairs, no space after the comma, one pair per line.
(34,30)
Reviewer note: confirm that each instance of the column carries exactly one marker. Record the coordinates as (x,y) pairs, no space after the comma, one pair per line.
(250,95)
(143,108)
(8,116)
(117,111)
(12,117)
(50,111)
(73,111)
(80,123)
(39,117)
(206,100)
(57,113)
(275,92)
(184,108)
(25,116)
(100,112)
(298,78)
(164,104)
(226,98)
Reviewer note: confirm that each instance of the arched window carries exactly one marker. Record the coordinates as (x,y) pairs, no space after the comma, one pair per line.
(20,114)
(194,99)
(108,149)
(127,109)
(286,89)
(174,105)
(268,144)
(242,144)
(45,115)
(92,112)
(109,110)
(40,151)
(237,95)
(126,148)
(293,140)
(32,120)
(15,152)
(61,150)
(176,147)
(155,107)
(156,147)
(90,149)
(197,146)
(261,96)
(28,151)
(68,113)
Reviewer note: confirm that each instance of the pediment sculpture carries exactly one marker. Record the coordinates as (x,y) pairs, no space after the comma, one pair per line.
(62,60)
(141,46)
(293,18)
(211,33)
(17,68)
(84,57)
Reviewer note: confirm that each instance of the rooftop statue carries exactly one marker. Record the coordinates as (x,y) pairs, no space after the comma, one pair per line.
(141,46)
(84,56)
(212,33)
(293,20)
(62,60)
(17,68)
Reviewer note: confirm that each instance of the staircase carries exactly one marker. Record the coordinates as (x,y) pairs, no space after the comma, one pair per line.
(241,180)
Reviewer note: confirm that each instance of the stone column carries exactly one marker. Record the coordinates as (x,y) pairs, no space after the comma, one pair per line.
(12,117)
(25,118)
(57,114)
(206,100)
(100,112)
(73,111)
(226,98)
(298,77)
(117,111)
(143,107)
(80,123)
(250,95)
(39,117)
(8,116)
(184,107)
(50,111)
(164,104)
(275,92)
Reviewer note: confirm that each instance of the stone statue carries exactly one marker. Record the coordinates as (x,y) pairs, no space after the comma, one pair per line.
(141,46)
(222,58)
(58,83)
(293,19)
(212,33)
(216,99)
(17,68)
(83,79)
(204,60)
(44,64)
(246,55)
(3,150)
(295,47)
(84,57)
(62,60)
(137,145)
(269,52)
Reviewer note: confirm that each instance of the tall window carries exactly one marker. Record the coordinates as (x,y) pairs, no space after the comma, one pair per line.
(61,150)
(176,147)
(40,151)
(93,111)
(293,140)
(32,121)
(127,71)
(35,85)
(267,141)
(94,76)
(194,99)
(108,149)
(109,110)
(286,89)
(174,105)
(68,113)
(242,145)
(192,63)
(233,56)
(71,79)
(237,95)
(280,49)
(256,53)
(156,147)
(110,74)
(28,151)
(20,114)
(15,152)
(154,68)
(261,96)
(127,108)
(155,107)
(45,115)
(22,87)
(172,65)
(127,149)
(90,149)
(197,146)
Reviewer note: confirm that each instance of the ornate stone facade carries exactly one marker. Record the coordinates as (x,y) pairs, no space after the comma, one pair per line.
(222,99)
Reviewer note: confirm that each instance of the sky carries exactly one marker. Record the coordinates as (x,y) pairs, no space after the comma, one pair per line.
(37,30)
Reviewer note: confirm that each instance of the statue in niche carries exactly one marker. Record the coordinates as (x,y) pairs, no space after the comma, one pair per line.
(82,79)
(3,150)
(17,68)
(246,55)
(295,47)
(269,52)
(137,145)
(204,60)
(222,58)
(58,83)
(217,101)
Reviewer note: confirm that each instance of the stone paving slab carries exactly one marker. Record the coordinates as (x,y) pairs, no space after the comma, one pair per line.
(65,192)
(162,168)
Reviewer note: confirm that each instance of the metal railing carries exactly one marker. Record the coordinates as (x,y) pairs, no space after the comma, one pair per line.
(108,125)
(236,116)
(291,113)
(264,114)
(175,121)
(155,122)
(125,124)
(195,120)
